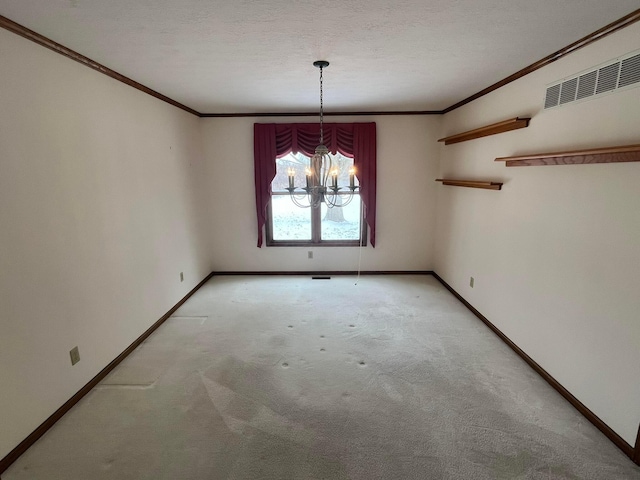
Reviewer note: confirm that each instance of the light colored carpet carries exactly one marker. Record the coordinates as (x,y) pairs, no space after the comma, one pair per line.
(293,378)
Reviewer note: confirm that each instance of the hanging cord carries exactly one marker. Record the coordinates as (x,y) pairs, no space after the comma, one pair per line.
(361,238)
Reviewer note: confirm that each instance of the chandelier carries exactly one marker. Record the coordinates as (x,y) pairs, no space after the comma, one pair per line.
(321,174)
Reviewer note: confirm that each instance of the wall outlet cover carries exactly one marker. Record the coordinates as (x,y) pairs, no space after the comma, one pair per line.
(75,355)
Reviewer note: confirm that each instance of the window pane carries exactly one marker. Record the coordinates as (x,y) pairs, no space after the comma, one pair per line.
(295,161)
(341,223)
(290,222)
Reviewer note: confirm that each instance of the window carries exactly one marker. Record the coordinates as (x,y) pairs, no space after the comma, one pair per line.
(273,141)
(289,224)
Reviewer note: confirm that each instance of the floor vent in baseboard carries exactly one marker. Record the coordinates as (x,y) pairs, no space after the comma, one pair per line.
(622,72)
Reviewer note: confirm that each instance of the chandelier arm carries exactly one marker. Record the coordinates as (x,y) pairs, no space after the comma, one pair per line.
(316,196)
(329,201)
(348,195)
(348,200)
(325,170)
(315,200)
(298,203)
(296,198)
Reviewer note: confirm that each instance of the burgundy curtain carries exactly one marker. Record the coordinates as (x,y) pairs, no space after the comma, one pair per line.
(354,140)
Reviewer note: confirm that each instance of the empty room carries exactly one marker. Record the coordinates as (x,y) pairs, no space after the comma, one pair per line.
(319,240)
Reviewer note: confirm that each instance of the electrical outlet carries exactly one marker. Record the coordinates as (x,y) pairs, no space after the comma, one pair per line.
(75,355)
(182,276)
(309,254)
(471,282)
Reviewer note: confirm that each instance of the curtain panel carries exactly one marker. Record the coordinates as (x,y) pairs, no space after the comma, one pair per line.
(354,140)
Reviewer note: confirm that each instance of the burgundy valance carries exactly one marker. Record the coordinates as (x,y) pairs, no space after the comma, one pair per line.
(354,140)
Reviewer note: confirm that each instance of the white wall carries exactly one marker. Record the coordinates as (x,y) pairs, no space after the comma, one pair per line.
(105,198)
(555,254)
(98,215)
(407,166)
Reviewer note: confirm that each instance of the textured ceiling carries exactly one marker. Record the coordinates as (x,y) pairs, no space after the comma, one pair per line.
(256,56)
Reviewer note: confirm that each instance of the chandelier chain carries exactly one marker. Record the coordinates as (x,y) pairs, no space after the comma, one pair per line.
(321,110)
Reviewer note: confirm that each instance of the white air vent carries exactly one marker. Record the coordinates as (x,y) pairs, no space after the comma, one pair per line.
(587,85)
(630,71)
(608,78)
(553,96)
(619,73)
(568,91)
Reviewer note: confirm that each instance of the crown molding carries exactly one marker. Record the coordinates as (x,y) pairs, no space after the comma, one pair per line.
(18,29)
(326,114)
(73,55)
(563,52)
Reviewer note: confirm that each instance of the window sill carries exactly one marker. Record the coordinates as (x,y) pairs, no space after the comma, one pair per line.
(326,243)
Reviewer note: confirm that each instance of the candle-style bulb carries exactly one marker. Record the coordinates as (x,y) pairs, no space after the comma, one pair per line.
(291,173)
(308,175)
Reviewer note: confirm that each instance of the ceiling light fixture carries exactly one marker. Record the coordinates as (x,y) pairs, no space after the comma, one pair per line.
(321,174)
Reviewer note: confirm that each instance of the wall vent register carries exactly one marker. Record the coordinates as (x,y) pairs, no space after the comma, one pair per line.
(613,75)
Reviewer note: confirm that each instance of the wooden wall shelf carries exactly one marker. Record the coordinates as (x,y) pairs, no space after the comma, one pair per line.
(505,126)
(627,153)
(470,183)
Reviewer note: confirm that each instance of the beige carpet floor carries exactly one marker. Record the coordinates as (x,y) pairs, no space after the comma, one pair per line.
(294,378)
